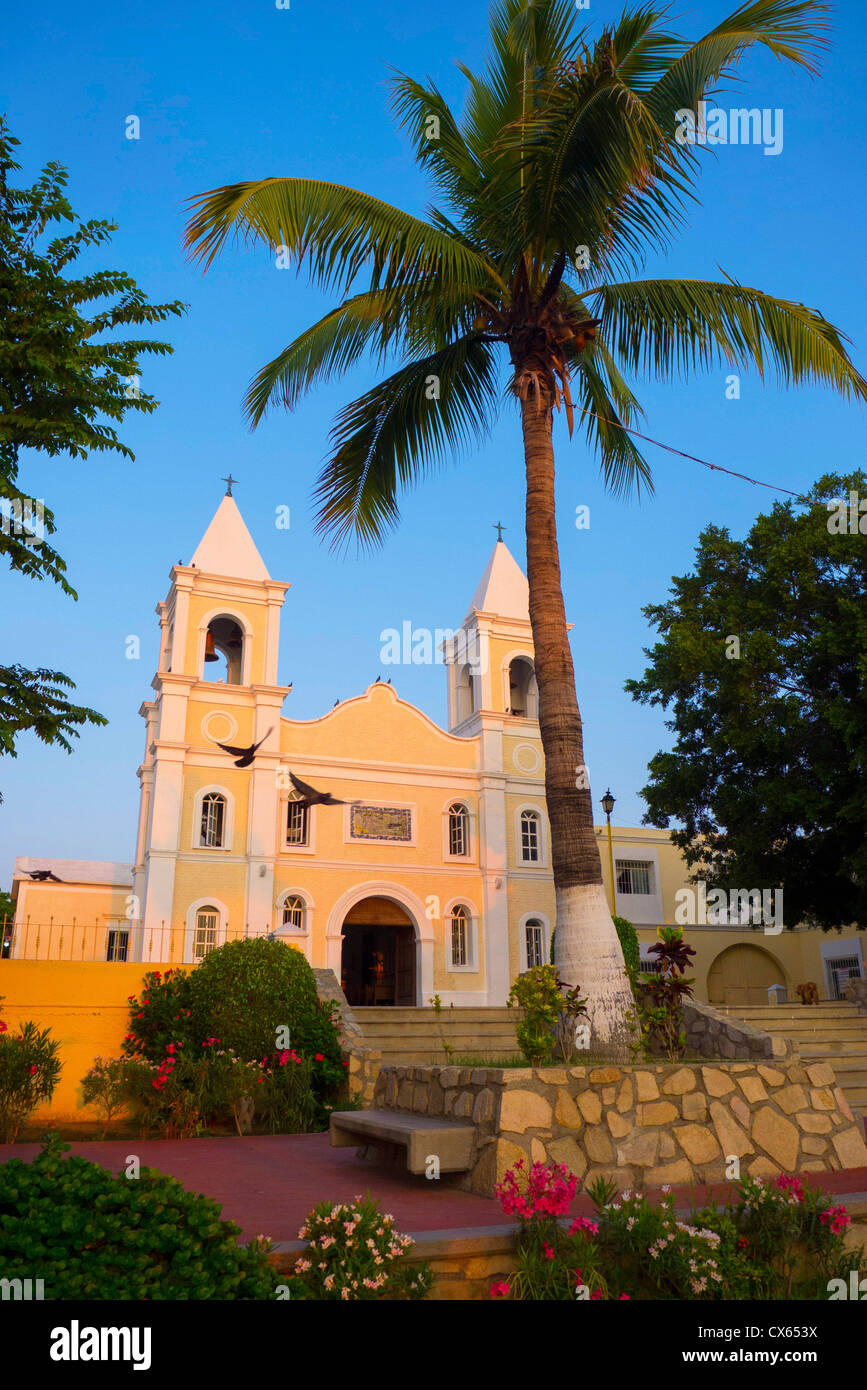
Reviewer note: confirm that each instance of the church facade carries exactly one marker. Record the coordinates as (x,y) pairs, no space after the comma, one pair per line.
(412,860)
(428,872)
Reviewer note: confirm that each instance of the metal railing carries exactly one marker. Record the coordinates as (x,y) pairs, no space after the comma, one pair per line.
(116,940)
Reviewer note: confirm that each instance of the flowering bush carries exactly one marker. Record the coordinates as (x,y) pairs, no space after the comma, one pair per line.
(776,1240)
(161,1015)
(246,995)
(353,1253)
(105,1088)
(552,1263)
(29,1071)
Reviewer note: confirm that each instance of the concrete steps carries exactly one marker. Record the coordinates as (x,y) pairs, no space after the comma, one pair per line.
(831,1032)
(406,1036)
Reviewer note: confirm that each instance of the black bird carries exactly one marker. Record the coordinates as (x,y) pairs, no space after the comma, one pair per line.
(44,876)
(336,703)
(378,679)
(244,756)
(309,796)
(388,682)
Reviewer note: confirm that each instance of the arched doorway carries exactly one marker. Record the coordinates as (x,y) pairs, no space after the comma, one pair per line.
(743,975)
(378,957)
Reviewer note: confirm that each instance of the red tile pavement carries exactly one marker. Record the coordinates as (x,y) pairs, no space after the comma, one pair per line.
(267,1184)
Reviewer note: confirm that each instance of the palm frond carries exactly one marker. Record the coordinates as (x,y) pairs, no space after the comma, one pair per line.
(794,30)
(389,438)
(334,229)
(671,327)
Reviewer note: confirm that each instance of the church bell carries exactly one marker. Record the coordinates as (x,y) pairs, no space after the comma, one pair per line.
(210,650)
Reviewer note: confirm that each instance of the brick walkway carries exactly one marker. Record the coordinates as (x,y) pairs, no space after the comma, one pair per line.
(267,1184)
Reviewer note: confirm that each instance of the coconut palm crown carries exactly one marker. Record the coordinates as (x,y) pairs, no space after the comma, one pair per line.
(562,173)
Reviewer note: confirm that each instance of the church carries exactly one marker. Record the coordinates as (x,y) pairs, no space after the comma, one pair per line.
(412,860)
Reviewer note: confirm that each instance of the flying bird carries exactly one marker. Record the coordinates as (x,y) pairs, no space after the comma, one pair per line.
(244,756)
(309,796)
(44,876)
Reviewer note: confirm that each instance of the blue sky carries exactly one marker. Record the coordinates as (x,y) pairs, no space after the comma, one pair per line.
(228,91)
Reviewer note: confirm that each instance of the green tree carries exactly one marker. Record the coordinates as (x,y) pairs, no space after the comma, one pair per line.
(562,172)
(65,375)
(761,663)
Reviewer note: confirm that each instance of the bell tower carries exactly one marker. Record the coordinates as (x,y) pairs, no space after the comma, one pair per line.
(493,697)
(206,827)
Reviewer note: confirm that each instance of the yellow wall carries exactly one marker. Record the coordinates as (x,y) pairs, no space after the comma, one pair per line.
(84,1005)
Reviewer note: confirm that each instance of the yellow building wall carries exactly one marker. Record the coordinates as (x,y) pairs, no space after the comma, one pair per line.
(84,1005)
(67,921)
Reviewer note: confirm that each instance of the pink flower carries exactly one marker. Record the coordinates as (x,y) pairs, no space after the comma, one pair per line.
(33,1070)
(499,1290)
(3,1026)
(624,1298)
(319,1057)
(582,1225)
(549,1253)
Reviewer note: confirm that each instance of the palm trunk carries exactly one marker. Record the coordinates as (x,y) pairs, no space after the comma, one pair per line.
(587,949)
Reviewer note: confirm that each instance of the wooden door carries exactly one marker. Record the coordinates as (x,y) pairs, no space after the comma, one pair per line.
(405,968)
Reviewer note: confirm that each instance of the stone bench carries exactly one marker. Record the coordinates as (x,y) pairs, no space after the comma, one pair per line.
(423,1137)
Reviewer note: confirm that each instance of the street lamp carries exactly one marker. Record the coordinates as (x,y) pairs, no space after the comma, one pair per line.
(608,807)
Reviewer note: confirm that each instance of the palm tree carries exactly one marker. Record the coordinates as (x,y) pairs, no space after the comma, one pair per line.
(564,169)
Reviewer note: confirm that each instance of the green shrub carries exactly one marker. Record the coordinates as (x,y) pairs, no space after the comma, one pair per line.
(353,1254)
(254,998)
(91,1235)
(537,992)
(29,1071)
(628,938)
(104,1088)
(245,991)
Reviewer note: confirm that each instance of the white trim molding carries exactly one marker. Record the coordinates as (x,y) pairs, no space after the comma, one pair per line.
(228,820)
(543,862)
(412,905)
(225,611)
(472,854)
(473,924)
(190,931)
(293,933)
(544,922)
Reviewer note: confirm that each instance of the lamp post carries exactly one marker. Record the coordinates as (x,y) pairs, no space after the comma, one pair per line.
(608,807)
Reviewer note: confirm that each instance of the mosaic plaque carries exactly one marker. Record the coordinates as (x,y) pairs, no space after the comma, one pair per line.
(381,823)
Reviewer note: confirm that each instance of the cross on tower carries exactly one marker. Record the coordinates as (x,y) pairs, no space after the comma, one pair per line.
(229,481)
(499,528)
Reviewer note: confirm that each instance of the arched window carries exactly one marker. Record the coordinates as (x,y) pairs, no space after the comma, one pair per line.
(459,830)
(213,821)
(293,912)
(460,954)
(523,690)
(534,940)
(225,639)
(205,935)
(466,694)
(530,837)
(296,823)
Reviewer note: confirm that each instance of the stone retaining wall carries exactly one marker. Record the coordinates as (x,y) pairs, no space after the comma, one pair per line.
(642,1124)
(712,1034)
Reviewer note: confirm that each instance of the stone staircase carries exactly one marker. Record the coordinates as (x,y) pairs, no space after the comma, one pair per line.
(406,1036)
(828,1032)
